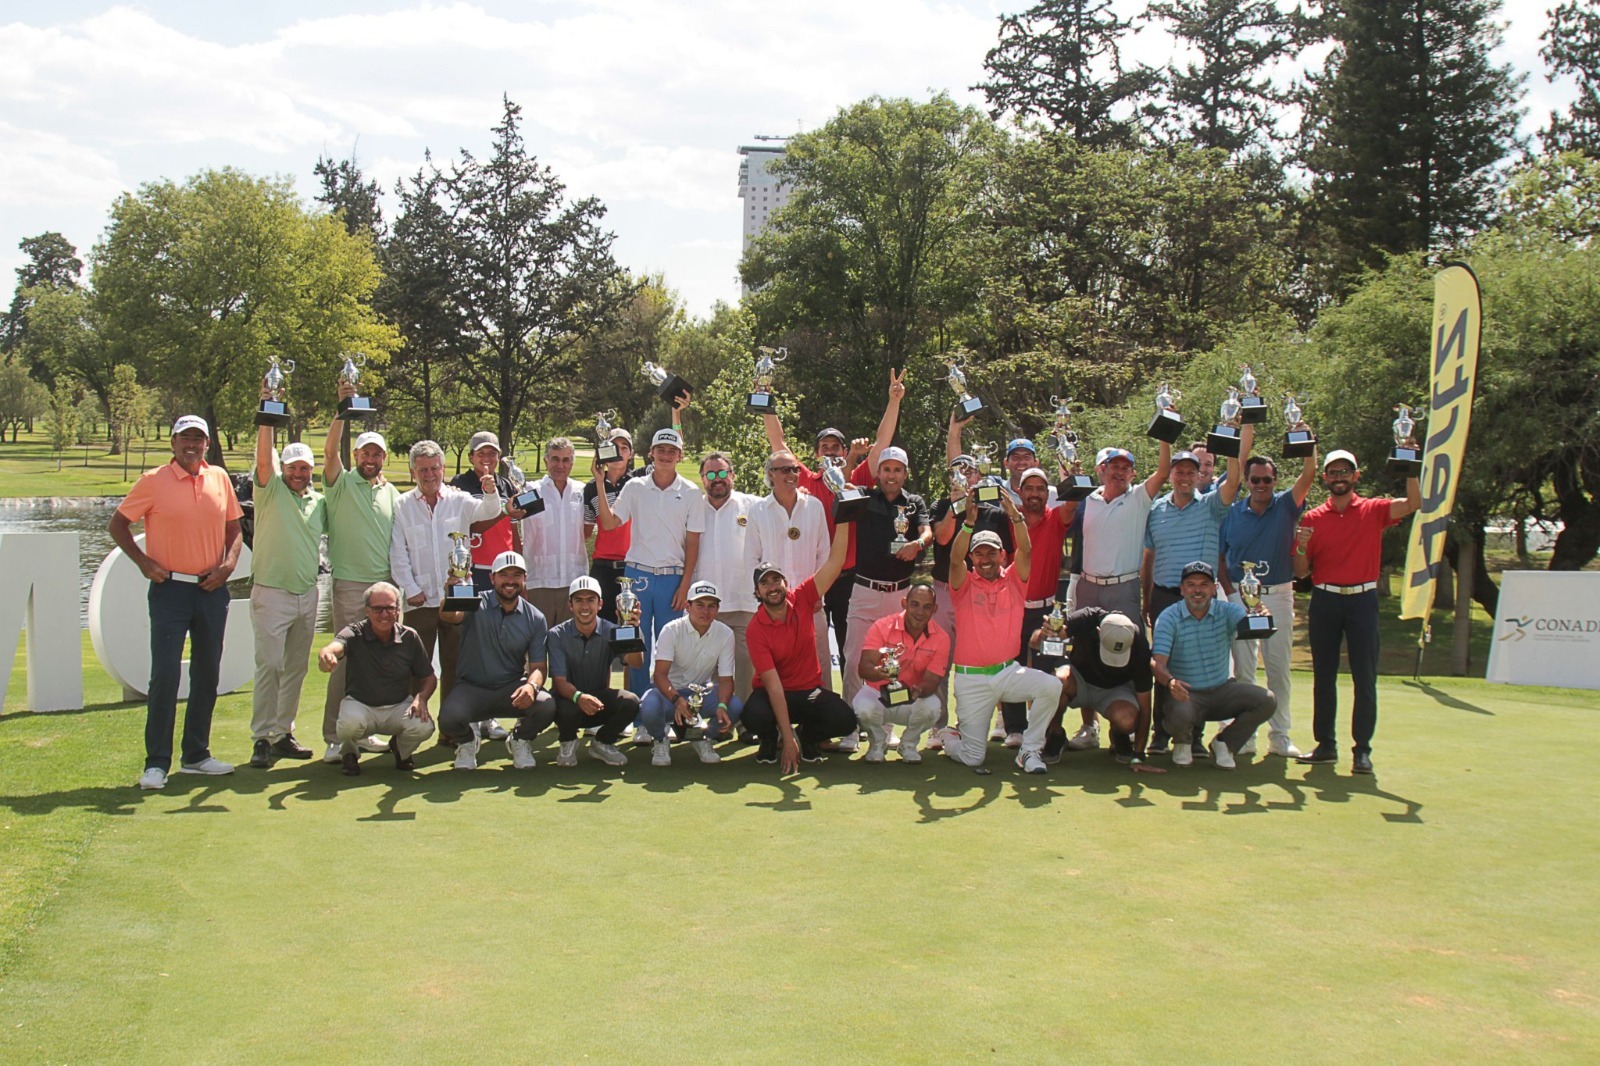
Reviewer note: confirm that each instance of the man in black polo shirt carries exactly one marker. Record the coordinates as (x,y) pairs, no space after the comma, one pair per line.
(500,668)
(580,677)
(384,659)
(882,572)
(1107,673)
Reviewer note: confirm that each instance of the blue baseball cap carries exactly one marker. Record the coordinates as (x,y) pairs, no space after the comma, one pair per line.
(1107,454)
(1018,444)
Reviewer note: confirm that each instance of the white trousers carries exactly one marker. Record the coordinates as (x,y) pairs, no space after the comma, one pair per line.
(357,720)
(866,607)
(917,716)
(285,624)
(1279,599)
(976,695)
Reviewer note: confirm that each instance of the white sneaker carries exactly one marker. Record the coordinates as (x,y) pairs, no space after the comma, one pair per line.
(935,740)
(333,754)
(642,737)
(1013,740)
(875,749)
(660,753)
(467,755)
(1182,753)
(703,748)
(521,751)
(493,730)
(568,755)
(1031,762)
(849,742)
(908,750)
(153,777)
(1085,739)
(1284,747)
(1248,747)
(210,766)
(890,741)
(998,732)
(370,745)
(608,753)
(1221,757)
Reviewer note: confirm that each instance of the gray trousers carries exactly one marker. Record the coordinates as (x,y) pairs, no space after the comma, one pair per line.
(1247,705)
(468,703)
(1124,597)
(347,608)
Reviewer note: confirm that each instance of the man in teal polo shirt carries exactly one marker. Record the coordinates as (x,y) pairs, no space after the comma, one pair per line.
(290,520)
(1190,659)
(360,519)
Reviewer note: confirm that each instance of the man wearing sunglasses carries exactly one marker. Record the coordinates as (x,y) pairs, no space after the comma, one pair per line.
(1340,546)
(790,529)
(728,552)
(1260,529)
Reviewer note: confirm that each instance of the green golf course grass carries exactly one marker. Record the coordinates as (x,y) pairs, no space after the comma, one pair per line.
(1441,910)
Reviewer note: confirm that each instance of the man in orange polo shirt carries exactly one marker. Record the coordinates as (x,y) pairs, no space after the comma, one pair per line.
(191,528)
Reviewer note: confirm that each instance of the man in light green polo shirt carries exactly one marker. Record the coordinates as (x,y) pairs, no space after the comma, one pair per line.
(291,517)
(360,516)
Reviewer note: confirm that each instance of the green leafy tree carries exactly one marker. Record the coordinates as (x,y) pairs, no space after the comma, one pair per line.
(1554,196)
(62,417)
(1572,48)
(351,195)
(64,339)
(22,399)
(53,264)
(609,374)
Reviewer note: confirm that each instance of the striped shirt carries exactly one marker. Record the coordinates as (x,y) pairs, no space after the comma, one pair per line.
(1198,649)
(1182,535)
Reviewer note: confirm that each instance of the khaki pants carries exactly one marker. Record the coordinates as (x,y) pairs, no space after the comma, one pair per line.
(357,720)
(552,603)
(739,622)
(347,608)
(425,620)
(284,624)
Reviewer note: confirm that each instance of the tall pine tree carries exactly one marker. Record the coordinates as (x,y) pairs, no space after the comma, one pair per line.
(1572,48)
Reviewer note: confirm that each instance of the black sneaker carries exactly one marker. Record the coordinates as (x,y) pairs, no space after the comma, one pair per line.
(1121,746)
(1322,753)
(811,751)
(350,764)
(287,747)
(1054,745)
(1362,764)
(768,752)
(1199,749)
(406,763)
(261,754)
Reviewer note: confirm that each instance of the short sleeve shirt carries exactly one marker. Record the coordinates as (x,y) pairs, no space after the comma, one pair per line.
(288,538)
(496,646)
(1113,531)
(1182,535)
(380,673)
(697,659)
(609,544)
(360,520)
(1265,539)
(988,618)
(874,531)
(1045,541)
(927,654)
(990,517)
(1083,629)
(185,516)
(1347,547)
(789,646)
(1198,649)
(662,518)
(583,660)
(497,538)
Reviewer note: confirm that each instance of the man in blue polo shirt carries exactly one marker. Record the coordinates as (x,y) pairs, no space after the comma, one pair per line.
(1189,657)
(1260,529)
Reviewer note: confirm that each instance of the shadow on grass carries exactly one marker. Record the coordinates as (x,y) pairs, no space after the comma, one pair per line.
(940,789)
(1444,699)
(88,708)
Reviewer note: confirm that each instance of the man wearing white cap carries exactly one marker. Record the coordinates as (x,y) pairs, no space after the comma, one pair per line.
(695,650)
(922,653)
(729,549)
(291,518)
(1107,673)
(553,540)
(580,678)
(668,515)
(360,505)
(192,541)
(419,551)
(989,606)
(501,669)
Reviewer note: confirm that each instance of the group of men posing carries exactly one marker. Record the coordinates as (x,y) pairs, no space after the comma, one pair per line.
(737,594)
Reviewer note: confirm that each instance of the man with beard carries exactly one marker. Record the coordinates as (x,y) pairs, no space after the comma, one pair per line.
(1190,659)
(360,523)
(386,661)
(729,549)
(989,607)
(1340,547)
(790,530)
(499,534)
(553,539)
(923,656)
(610,545)
(501,668)
(580,677)
(789,711)
(291,517)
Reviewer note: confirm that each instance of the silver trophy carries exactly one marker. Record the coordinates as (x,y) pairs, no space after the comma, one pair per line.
(902,523)
(605,449)
(894,692)
(524,497)
(1406,459)
(669,386)
(459,592)
(356,406)
(849,501)
(626,638)
(1224,438)
(1053,642)
(1257,621)
(1252,407)
(695,696)
(1167,425)
(274,411)
(1298,441)
(1075,484)
(961,468)
(966,403)
(761,399)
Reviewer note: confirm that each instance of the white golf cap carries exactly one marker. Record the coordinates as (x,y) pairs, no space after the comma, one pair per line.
(667,436)
(191,422)
(1116,639)
(1328,460)
(584,584)
(1033,471)
(897,454)
(507,561)
(370,437)
(704,590)
(298,452)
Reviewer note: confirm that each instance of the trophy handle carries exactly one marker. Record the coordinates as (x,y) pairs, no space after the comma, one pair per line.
(474,540)
(287,366)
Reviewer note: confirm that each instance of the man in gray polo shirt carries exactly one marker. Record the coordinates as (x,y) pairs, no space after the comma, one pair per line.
(500,668)
(383,660)
(580,677)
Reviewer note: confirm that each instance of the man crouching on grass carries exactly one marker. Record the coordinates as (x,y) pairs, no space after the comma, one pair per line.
(384,661)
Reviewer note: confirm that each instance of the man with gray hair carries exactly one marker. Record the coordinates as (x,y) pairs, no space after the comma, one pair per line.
(386,661)
(552,539)
(419,547)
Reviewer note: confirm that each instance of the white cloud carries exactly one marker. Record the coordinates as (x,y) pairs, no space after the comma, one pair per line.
(43,169)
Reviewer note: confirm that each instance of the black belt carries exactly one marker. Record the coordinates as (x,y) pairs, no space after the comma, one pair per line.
(1169,589)
(615,564)
(882,586)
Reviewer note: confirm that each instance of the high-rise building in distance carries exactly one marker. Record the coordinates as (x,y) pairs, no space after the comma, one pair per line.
(760,190)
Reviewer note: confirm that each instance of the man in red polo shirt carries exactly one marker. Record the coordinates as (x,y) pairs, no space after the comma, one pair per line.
(191,546)
(782,639)
(924,659)
(1340,545)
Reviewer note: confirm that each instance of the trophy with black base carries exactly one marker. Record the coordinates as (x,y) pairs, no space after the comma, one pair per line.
(626,637)
(524,497)
(849,501)
(1257,622)
(273,410)
(1252,407)
(1075,484)
(1299,441)
(1224,438)
(459,592)
(669,386)
(761,400)
(1168,424)
(902,525)
(967,405)
(357,405)
(605,449)
(1053,641)
(1406,459)
(894,693)
(988,488)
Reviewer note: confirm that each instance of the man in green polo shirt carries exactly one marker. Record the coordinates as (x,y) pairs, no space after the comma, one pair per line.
(361,505)
(290,520)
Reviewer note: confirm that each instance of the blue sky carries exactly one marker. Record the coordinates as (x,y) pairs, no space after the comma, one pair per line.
(642,105)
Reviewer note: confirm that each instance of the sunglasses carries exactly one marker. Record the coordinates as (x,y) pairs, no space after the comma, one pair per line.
(785,469)
(1269,479)
(385,608)
(1343,471)
(716,475)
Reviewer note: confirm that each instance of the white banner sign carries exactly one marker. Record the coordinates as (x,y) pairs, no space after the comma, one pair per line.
(1547,629)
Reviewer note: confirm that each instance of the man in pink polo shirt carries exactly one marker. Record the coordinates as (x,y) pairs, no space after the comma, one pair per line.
(191,532)
(989,603)
(924,658)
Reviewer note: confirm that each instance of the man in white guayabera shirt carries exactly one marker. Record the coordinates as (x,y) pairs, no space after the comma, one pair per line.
(552,540)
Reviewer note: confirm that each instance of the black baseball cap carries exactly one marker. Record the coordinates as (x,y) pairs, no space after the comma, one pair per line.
(832,432)
(1198,567)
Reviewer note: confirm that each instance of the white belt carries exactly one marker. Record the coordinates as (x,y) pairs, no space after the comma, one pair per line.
(1117,579)
(187,579)
(1349,590)
(1035,604)
(657,570)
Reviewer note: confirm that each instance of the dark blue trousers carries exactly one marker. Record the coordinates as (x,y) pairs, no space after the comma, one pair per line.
(1353,621)
(179,609)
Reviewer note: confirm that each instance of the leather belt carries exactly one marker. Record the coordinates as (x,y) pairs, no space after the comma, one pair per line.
(1034,605)
(1117,579)
(882,586)
(1349,590)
